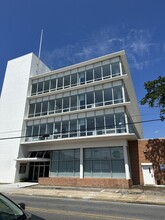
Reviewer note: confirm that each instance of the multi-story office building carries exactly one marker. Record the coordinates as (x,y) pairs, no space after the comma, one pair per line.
(71,124)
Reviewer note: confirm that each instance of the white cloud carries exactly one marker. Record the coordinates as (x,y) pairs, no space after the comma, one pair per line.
(138,44)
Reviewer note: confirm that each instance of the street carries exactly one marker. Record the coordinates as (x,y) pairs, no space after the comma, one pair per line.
(50,208)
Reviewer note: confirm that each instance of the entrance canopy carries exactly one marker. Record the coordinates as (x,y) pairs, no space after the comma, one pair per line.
(32,159)
(36,156)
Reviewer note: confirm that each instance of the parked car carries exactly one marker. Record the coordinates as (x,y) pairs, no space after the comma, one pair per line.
(11,211)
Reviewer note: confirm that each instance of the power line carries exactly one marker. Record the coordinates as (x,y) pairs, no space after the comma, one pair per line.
(132,116)
(47,135)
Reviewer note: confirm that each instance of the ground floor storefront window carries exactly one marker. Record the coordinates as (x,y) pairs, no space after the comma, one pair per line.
(104,162)
(107,162)
(65,163)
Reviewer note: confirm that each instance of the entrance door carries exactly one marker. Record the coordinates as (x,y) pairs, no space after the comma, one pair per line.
(148,174)
(38,169)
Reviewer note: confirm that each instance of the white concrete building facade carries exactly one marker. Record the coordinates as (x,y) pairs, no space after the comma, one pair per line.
(74,122)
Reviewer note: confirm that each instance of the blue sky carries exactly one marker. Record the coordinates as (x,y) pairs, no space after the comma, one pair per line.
(77,30)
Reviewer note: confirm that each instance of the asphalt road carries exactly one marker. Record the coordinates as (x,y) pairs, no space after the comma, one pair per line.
(46,208)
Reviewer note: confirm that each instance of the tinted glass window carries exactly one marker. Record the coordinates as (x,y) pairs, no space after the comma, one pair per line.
(44,107)
(82,77)
(97,73)
(115,69)
(53,84)
(31,110)
(74,79)
(34,88)
(106,71)
(40,87)
(89,75)
(46,86)
(67,81)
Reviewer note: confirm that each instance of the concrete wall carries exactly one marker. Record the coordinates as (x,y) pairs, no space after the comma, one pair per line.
(12,110)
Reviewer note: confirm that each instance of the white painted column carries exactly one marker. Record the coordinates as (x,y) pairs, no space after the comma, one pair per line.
(127,170)
(81,164)
(121,68)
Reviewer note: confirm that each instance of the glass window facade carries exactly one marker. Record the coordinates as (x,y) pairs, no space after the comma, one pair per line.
(95,98)
(86,126)
(65,163)
(104,162)
(72,105)
(100,72)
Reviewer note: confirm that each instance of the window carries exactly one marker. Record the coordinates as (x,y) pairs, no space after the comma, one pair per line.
(34,89)
(57,130)
(51,106)
(73,128)
(106,71)
(40,87)
(90,100)
(118,96)
(90,126)
(66,81)
(65,104)
(118,167)
(44,107)
(60,83)
(73,103)
(100,124)
(82,77)
(120,123)
(58,105)
(42,131)
(89,75)
(35,132)
(82,101)
(38,109)
(65,129)
(28,132)
(98,98)
(109,124)
(108,96)
(74,79)
(115,69)
(82,127)
(104,162)
(53,84)
(22,168)
(65,163)
(49,129)
(46,86)
(97,73)
(31,110)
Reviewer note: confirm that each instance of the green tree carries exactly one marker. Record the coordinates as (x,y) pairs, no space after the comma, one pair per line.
(155,96)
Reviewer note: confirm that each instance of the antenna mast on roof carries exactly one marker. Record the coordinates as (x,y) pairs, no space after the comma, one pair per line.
(39,52)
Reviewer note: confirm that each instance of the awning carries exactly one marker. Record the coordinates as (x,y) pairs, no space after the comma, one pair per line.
(32,159)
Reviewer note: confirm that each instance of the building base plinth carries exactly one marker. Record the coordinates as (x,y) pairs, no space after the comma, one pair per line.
(86,182)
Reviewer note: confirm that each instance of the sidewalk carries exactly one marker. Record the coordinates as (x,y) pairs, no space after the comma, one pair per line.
(146,195)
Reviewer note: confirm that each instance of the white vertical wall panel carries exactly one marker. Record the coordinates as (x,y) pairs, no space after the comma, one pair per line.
(12,109)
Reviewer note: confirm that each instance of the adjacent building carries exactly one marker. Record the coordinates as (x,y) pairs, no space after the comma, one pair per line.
(70,126)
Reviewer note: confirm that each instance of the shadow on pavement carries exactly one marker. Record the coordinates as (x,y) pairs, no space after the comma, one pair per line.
(35,217)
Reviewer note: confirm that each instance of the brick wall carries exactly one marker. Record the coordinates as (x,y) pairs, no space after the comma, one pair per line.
(134,160)
(147,151)
(86,182)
